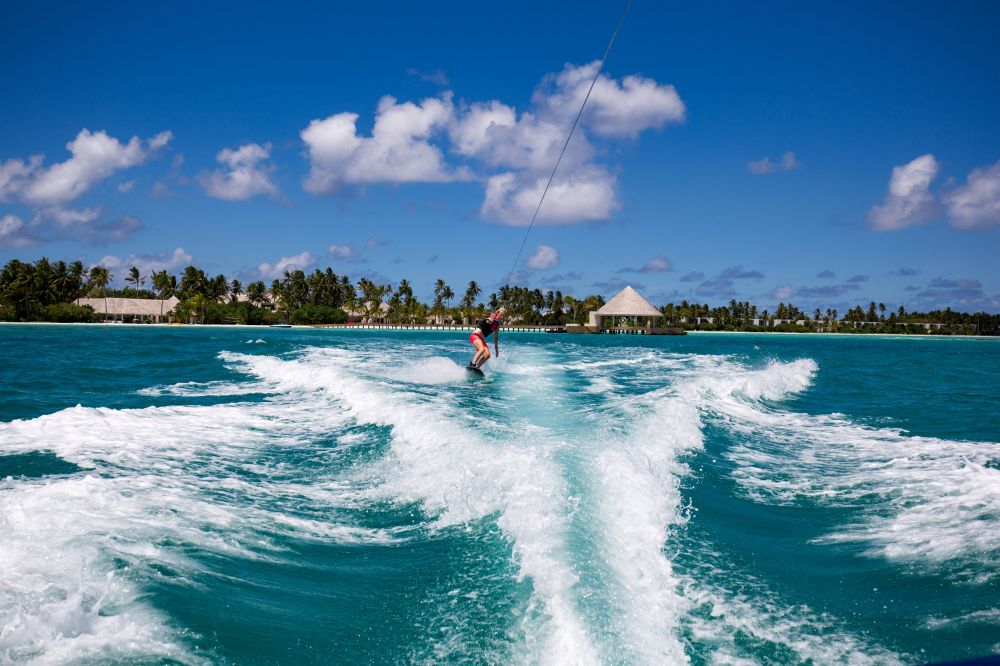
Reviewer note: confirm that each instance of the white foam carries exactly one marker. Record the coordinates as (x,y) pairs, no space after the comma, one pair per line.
(457,478)
(637,484)
(160,475)
(434,370)
(921,500)
(203,389)
(733,625)
(638,488)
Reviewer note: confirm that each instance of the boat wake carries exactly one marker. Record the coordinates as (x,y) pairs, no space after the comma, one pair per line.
(583,472)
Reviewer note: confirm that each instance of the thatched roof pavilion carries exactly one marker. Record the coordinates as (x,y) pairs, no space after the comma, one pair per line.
(627,304)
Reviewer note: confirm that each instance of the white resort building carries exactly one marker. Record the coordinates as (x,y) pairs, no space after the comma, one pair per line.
(132,309)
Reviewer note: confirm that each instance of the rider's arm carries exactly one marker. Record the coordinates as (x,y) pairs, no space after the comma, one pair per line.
(496,340)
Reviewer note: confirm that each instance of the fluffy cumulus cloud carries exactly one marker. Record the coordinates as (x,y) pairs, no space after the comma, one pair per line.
(299,261)
(146,263)
(512,152)
(247,173)
(93,157)
(398,151)
(588,193)
(909,200)
(13,232)
(340,251)
(976,205)
(14,175)
(47,190)
(543,258)
(788,162)
(616,108)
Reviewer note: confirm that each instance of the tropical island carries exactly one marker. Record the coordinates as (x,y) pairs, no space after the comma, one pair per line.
(67,292)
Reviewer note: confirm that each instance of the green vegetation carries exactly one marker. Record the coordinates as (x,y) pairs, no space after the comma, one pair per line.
(46,291)
(742,316)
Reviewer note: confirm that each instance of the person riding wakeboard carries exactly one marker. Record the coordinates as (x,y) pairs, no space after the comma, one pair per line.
(486,327)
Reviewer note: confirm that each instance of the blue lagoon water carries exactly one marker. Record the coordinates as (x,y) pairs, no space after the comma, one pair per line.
(263,496)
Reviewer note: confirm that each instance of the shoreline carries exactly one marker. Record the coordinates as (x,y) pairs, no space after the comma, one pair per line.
(443,329)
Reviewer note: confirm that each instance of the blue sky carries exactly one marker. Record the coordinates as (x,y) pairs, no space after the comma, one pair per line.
(823,153)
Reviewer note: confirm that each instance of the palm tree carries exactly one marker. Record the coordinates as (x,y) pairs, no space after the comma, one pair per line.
(471,293)
(216,289)
(192,282)
(235,289)
(256,293)
(134,278)
(101,277)
(165,285)
(404,294)
(440,289)
(278,295)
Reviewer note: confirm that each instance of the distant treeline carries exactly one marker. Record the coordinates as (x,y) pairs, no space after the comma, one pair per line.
(46,291)
(876,318)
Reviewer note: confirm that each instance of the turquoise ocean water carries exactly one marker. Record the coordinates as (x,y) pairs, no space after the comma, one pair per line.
(265,496)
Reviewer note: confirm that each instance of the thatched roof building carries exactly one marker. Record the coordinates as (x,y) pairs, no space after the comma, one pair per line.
(629,305)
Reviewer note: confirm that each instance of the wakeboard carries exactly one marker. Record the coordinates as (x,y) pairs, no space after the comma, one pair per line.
(474,370)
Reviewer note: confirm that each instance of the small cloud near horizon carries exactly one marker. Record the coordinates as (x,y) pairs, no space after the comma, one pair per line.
(658,264)
(826,275)
(613,285)
(435,76)
(788,162)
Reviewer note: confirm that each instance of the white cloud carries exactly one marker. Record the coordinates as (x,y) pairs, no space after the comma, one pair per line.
(147,263)
(658,264)
(126,186)
(783,293)
(493,133)
(67,217)
(398,151)
(788,162)
(278,268)
(247,173)
(909,201)
(95,156)
(544,258)
(14,174)
(615,109)
(13,232)
(341,251)
(976,205)
(520,148)
(529,145)
(586,194)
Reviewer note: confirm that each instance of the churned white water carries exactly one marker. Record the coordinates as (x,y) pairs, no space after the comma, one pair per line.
(587,467)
